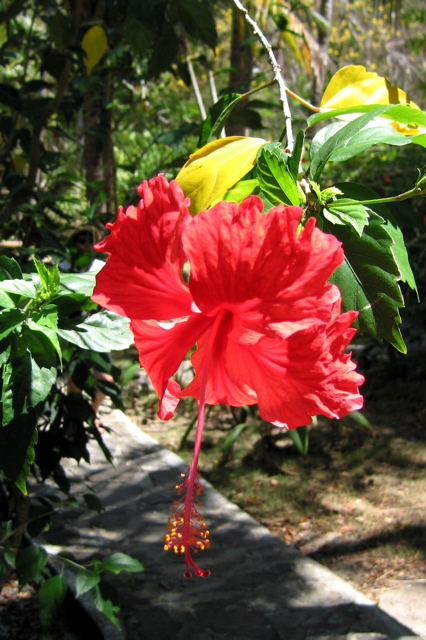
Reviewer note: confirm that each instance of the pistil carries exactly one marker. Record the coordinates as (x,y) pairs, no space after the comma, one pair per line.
(187,530)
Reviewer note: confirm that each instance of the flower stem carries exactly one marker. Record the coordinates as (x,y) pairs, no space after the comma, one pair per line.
(416,191)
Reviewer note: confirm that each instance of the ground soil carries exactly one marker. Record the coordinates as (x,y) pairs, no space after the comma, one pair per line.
(356,502)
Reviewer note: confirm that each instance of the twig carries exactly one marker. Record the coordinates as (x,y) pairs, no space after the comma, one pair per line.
(276,70)
(196,88)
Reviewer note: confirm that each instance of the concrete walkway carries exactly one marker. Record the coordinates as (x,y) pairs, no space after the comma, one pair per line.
(259,589)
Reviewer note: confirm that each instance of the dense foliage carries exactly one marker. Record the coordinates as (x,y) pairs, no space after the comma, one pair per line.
(96,97)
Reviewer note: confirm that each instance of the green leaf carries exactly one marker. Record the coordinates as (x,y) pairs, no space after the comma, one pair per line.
(9,269)
(340,139)
(8,301)
(85,580)
(25,382)
(37,340)
(82,283)
(401,114)
(368,280)
(30,455)
(294,160)
(20,287)
(50,597)
(370,135)
(118,562)
(5,351)
(93,502)
(47,318)
(164,53)
(419,139)
(359,192)
(42,380)
(60,30)
(198,20)
(275,179)
(238,192)
(17,443)
(6,406)
(49,277)
(360,419)
(404,114)
(103,331)
(10,319)
(30,563)
(105,606)
(300,438)
(230,440)
(356,214)
(217,117)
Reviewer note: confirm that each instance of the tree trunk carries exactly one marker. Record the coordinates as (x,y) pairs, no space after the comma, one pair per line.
(241,69)
(98,153)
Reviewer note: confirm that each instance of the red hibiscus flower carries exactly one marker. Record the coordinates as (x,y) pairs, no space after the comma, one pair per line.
(250,291)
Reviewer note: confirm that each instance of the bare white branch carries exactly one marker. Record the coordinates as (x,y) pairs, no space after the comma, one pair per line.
(276,71)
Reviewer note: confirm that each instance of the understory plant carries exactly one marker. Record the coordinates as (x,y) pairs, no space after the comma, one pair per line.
(261,270)
(53,346)
(252,262)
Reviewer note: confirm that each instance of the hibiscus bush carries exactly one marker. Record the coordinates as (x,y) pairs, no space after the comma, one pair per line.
(250,262)
(267,273)
(51,341)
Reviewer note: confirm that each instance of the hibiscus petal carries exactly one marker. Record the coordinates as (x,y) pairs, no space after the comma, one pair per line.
(237,254)
(161,351)
(303,375)
(219,387)
(142,277)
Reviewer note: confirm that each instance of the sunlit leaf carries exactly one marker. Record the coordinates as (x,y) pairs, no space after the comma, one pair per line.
(94,44)
(238,192)
(354,85)
(355,214)
(81,283)
(294,160)
(275,178)
(103,331)
(217,117)
(215,168)
(20,287)
(10,319)
(339,140)
(370,135)
(118,562)
(49,276)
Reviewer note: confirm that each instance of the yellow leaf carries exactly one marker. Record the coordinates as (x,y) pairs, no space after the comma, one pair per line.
(215,168)
(19,162)
(353,85)
(94,44)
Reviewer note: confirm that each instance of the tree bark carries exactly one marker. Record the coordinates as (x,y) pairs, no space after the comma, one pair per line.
(241,68)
